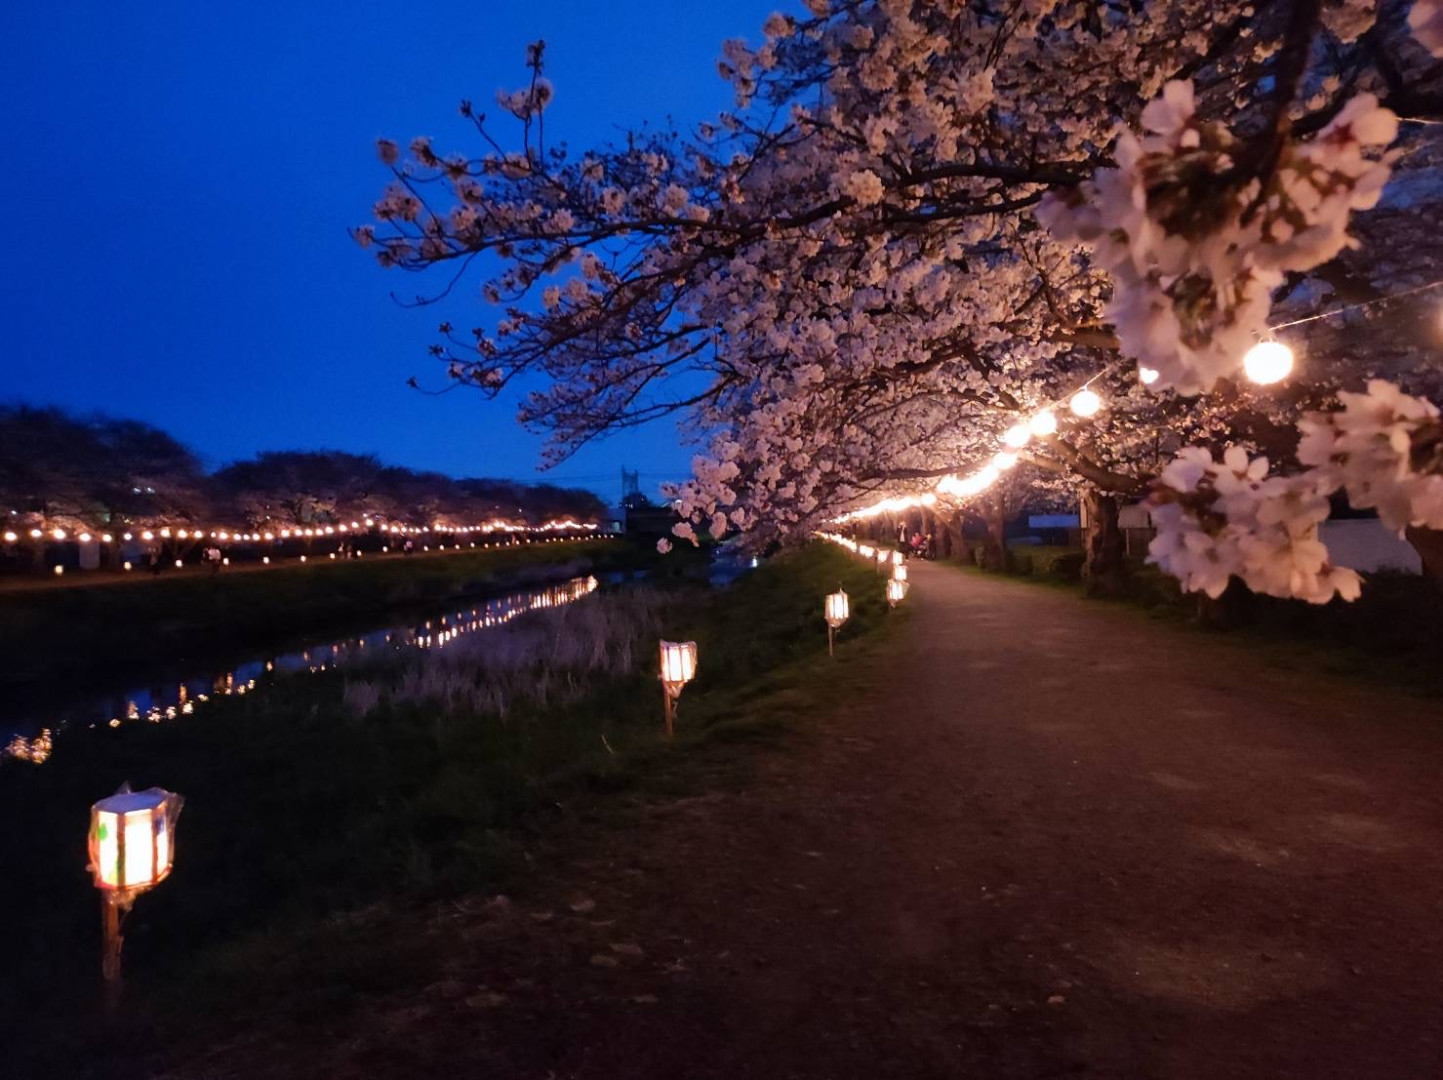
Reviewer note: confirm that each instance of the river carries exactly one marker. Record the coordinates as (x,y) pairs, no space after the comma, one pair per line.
(27,731)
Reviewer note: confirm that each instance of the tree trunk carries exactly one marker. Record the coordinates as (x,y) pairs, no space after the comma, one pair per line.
(994,550)
(1105,569)
(1428,543)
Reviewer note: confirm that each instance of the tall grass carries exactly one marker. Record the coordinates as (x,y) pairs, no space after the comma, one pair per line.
(546,658)
(389,781)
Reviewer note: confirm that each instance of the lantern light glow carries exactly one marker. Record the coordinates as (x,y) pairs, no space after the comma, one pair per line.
(1043,424)
(1085,403)
(1268,362)
(678,667)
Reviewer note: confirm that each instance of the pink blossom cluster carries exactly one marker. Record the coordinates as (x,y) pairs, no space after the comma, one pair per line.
(1217,520)
(1195,243)
(1385,449)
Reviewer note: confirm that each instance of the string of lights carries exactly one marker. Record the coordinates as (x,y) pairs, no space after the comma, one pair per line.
(1267,362)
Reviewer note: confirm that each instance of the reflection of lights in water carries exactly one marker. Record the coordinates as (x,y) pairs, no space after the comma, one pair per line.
(33,750)
(494,613)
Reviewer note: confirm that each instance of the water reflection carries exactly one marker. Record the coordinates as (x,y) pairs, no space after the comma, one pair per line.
(33,738)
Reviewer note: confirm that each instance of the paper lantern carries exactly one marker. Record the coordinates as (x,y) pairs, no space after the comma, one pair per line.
(132,839)
(899,572)
(1268,362)
(836,609)
(1017,436)
(132,848)
(1085,403)
(678,667)
(896,591)
(678,661)
(1043,424)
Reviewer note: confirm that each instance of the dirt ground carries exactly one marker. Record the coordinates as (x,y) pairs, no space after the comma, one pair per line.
(1048,838)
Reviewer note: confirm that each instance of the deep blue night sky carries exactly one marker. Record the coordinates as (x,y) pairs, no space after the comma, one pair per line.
(180,177)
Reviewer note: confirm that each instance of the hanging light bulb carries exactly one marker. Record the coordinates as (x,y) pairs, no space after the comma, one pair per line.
(1043,424)
(1085,403)
(1017,436)
(1146,375)
(1268,362)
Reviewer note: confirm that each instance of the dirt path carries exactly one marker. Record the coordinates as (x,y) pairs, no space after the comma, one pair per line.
(1052,839)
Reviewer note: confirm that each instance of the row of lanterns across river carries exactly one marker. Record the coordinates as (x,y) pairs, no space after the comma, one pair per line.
(457,532)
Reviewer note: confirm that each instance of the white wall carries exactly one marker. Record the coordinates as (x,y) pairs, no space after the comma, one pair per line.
(1367,544)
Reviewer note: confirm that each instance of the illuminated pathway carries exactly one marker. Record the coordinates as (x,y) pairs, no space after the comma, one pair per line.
(1048,839)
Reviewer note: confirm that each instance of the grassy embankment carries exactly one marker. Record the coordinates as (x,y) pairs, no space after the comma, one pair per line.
(75,632)
(1384,637)
(327,815)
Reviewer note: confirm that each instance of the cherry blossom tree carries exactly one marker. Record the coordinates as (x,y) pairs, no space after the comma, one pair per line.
(924,224)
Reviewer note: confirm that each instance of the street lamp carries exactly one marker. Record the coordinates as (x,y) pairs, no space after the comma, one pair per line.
(678,667)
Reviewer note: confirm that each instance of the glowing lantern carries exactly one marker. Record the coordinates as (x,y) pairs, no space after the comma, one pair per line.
(896,558)
(178,564)
(59,570)
(85,538)
(836,611)
(1146,375)
(899,572)
(1085,403)
(10,537)
(59,534)
(1017,436)
(127,564)
(1043,424)
(132,839)
(678,667)
(266,559)
(1003,460)
(1268,362)
(105,538)
(896,590)
(132,849)
(35,534)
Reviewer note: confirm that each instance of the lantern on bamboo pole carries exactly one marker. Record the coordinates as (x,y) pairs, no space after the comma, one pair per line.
(678,667)
(132,849)
(836,611)
(896,591)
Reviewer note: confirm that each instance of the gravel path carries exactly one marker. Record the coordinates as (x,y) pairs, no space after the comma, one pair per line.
(1048,838)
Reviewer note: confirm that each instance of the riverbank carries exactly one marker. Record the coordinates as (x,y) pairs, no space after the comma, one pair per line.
(78,633)
(319,836)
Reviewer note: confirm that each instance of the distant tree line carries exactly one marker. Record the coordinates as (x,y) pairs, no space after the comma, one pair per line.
(75,472)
